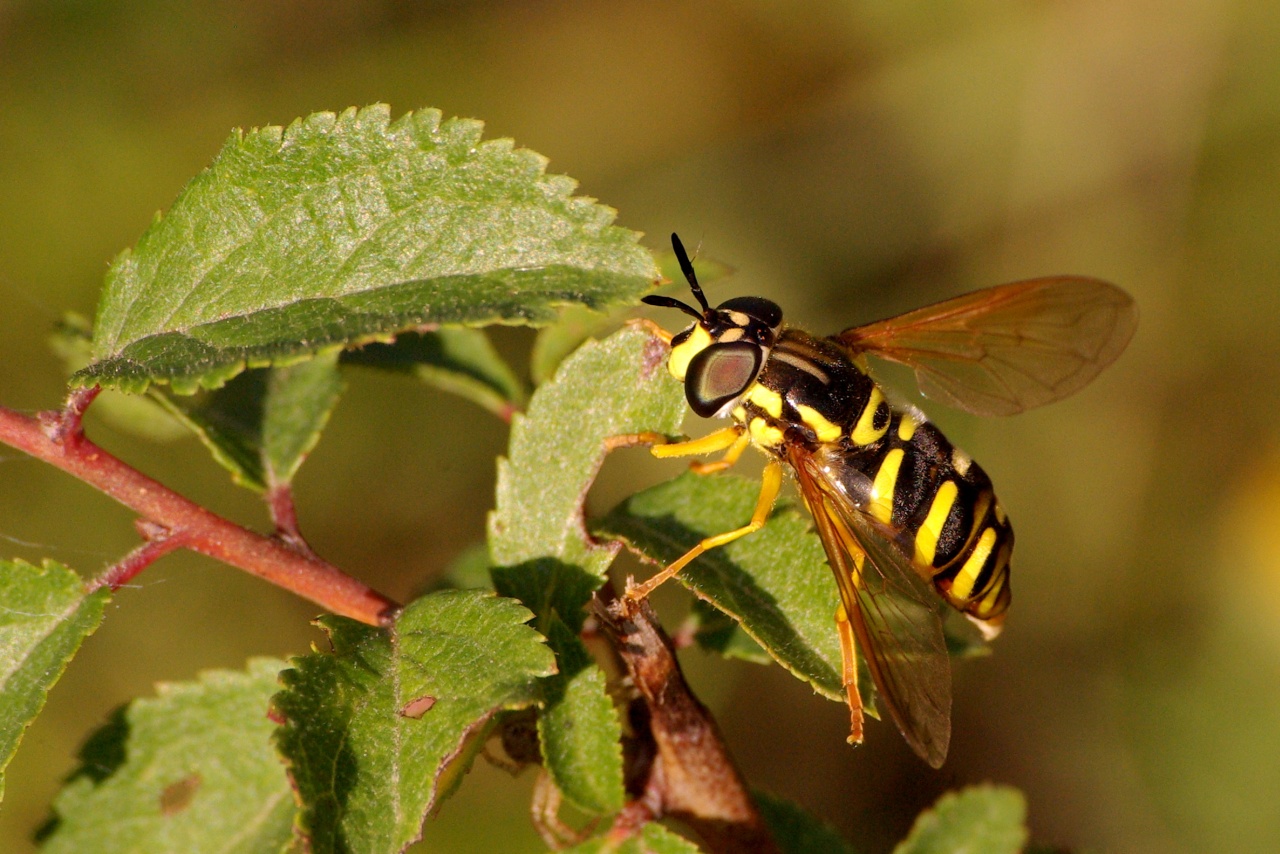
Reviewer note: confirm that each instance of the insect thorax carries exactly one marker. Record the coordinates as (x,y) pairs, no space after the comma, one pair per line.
(809,390)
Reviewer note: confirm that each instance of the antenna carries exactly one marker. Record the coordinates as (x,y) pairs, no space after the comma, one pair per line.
(686,267)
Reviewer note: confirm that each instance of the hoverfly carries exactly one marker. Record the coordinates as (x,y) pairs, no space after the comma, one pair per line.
(908,521)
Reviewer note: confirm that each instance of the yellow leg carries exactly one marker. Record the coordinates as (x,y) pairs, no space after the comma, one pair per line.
(730,456)
(734,438)
(770,486)
(729,437)
(849,662)
(630,440)
(652,328)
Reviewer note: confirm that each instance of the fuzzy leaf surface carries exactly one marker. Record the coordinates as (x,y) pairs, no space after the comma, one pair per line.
(44,617)
(542,554)
(457,360)
(345,229)
(986,819)
(579,730)
(606,388)
(378,731)
(191,769)
(775,582)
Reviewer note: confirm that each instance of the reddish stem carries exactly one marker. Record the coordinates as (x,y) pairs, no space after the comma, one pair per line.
(57,439)
(159,542)
(284,513)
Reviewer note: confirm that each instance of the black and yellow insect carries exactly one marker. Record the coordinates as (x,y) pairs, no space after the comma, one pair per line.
(908,520)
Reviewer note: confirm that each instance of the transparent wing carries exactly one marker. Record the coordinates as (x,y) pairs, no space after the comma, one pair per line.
(895,614)
(1007,349)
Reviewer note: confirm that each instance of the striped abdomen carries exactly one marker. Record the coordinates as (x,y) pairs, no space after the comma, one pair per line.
(892,465)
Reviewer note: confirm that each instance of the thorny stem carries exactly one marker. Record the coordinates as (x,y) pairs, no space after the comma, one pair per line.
(58,439)
(692,778)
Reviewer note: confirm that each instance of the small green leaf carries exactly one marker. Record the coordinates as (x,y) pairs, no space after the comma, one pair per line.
(44,617)
(709,270)
(262,424)
(652,839)
(775,582)
(345,229)
(796,831)
(987,819)
(379,731)
(574,326)
(455,359)
(539,544)
(190,770)
(579,730)
(537,533)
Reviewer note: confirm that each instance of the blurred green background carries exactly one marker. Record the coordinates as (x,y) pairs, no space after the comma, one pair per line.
(850,160)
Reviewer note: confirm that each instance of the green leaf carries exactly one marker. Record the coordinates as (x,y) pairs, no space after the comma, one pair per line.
(454,359)
(537,535)
(574,326)
(190,770)
(986,819)
(652,839)
(796,831)
(541,551)
(45,615)
(775,582)
(379,731)
(579,730)
(262,424)
(345,229)
(716,631)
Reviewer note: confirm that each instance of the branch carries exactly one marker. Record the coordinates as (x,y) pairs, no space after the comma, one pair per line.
(58,439)
(692,778)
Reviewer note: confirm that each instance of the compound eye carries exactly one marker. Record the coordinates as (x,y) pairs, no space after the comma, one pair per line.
(757,308)
(721,373)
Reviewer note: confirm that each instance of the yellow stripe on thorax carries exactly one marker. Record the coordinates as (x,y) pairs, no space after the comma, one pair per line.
(931,528)
(962,586)
(765,398)
(765,434)
(881,504)
(865,431)
(815,421)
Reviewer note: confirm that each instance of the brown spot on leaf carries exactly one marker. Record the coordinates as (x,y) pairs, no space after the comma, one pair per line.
(176,797)
(655,355)
(419,707)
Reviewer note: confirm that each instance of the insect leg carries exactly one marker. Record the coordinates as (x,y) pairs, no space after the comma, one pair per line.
(770,486)
(849,662)
(729,437)
(730,456)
